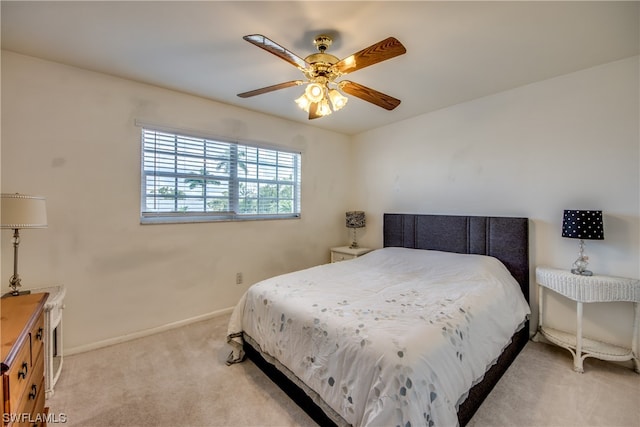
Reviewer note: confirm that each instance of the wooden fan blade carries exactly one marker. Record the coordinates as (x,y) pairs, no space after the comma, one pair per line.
(279,51)
(270,88)
(381,51)
(370,95)
(313,111)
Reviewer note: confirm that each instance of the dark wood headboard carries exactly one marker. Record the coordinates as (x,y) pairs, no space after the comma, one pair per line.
(505,238)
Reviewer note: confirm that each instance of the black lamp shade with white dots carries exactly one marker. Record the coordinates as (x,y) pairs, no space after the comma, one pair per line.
(585,225)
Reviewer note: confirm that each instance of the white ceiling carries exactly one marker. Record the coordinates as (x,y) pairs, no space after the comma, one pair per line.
(456,51)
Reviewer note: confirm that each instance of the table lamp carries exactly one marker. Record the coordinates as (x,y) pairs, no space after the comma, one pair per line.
(355,220)
(577,224)
(21,211)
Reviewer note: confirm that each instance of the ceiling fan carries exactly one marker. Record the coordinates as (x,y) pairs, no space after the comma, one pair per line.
(321,71)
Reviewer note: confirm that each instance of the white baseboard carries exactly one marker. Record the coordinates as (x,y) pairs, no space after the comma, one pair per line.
(144,333)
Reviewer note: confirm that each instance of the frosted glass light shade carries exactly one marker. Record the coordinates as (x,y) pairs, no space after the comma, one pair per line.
(314,92)
(337,99)
(303,102)
(323,108)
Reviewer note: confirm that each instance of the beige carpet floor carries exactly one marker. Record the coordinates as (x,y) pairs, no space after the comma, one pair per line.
(179,378)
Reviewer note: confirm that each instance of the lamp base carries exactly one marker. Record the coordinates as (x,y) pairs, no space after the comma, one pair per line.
(16,293)
(354,241)
(582,272)
(580,265)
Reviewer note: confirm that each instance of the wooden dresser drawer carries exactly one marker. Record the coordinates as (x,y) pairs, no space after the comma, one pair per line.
(33,399)
(37,338)
(22,363)
(19,375)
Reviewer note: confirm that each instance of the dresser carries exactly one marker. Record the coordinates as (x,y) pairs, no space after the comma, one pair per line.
(22,367)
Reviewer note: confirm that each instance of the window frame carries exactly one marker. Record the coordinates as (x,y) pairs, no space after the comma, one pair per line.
(233,180)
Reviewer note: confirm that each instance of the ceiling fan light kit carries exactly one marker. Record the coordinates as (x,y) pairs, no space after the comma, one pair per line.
(318,92)
(322,94)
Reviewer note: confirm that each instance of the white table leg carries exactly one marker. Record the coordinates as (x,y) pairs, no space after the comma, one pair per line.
(577,358)
(536,337)
(540,308)
(634,342)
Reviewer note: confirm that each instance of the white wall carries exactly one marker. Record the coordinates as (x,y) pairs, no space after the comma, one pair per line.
(69,135)
(569,142)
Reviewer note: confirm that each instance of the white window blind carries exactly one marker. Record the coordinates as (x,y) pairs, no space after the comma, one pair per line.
(191,179)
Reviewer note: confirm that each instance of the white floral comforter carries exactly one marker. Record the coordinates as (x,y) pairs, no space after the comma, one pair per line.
(394,338)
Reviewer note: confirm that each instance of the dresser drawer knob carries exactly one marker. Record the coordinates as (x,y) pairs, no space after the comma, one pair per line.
(22,373)
(34,392)
(39,334)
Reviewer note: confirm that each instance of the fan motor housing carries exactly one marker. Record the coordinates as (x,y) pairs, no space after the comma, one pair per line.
(322,64)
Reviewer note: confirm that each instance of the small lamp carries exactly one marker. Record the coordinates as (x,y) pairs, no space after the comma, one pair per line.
(582,225)
(355,220)
(21,211)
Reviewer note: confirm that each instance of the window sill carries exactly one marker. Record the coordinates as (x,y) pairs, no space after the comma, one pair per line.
(162,219)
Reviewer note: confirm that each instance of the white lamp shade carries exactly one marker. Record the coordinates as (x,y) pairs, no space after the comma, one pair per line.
(22,211)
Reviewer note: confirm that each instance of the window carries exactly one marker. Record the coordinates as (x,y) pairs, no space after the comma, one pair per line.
(194,179)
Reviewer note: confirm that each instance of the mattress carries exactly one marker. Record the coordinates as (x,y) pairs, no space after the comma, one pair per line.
(395,337)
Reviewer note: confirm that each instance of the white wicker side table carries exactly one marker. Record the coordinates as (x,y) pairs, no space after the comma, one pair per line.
(53,344)
(589,289)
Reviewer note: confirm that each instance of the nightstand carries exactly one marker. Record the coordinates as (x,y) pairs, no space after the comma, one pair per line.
(344,253)
(589,289)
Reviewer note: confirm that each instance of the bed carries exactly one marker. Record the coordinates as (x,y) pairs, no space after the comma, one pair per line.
(415,333)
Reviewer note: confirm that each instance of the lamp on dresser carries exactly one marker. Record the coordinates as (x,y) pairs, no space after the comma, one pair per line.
(21,211)
(355,220)
(580,224)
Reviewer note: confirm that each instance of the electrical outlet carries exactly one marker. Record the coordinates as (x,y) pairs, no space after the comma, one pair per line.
(238,278)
